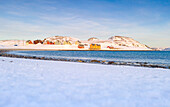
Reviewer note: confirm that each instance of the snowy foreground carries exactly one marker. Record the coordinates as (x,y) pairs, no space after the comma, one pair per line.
(37,83)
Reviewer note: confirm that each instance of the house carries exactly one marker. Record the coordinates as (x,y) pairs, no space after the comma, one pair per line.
(77,42)
(110,47)
(47,42)
(67,43)
(38,42)
(95,47)
(51,43)
(29,42)
(57,42)
(80,46)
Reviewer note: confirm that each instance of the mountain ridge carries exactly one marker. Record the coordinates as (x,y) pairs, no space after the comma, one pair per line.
(121,42)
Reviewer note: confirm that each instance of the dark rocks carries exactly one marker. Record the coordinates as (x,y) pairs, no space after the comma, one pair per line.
(80,61)
(103,61)
(38,57)
(111,62)
(123,63)
(95,61)
(145,63)
(52,59)
(154,66)
(42,58)
(62,60)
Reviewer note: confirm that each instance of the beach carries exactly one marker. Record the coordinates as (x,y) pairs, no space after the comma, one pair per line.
(45,83)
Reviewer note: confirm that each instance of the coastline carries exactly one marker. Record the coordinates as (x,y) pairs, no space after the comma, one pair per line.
(139,64)
(13,49)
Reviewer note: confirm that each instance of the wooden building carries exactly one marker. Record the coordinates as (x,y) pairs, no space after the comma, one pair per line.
(57,43)
(38,42)
(95,47)
(80,46)
(29,42)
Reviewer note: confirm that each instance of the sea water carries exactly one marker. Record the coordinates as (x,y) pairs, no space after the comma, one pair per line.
(152,57)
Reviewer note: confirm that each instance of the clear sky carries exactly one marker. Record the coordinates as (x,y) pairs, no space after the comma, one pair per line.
(147,21)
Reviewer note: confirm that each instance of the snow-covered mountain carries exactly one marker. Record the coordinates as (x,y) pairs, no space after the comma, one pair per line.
(166,49)
(126,41)
(61,39)
(12,42)
(117,42)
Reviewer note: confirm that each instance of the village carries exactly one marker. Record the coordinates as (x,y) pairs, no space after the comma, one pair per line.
(77,43)
(116,42)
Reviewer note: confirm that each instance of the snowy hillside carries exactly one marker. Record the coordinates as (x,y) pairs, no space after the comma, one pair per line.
(115,42)
(119,42)
(126,41)
(166,49)
(12,42)
(61,39)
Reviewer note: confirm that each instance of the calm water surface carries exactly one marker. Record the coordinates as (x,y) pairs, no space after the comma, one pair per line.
(153,57)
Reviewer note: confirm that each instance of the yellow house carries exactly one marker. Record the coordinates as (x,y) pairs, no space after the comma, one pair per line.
(29,42)
(66,43)
(77,42)
(57,42)
(95,47)
(69,43)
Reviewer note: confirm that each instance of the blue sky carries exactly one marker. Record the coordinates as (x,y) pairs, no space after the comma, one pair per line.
(147,21)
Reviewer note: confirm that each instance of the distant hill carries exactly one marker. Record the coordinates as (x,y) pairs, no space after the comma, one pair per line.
(126,41)
(12,42)
(166,49)
(118,42)
(61,39)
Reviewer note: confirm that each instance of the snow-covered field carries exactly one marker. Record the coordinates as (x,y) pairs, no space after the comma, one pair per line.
(37,83)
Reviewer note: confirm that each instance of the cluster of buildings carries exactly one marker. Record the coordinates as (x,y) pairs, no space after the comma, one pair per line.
(57,42)
(93,43)
(78,43)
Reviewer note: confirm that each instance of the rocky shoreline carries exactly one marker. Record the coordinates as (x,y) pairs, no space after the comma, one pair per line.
(139,64)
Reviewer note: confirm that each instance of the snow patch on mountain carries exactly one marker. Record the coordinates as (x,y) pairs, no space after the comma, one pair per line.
(61,39)
(126,41)
(93,39)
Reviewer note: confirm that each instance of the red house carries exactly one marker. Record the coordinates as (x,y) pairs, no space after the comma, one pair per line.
(29,42)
